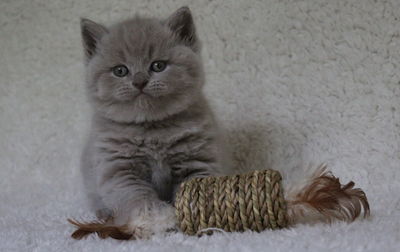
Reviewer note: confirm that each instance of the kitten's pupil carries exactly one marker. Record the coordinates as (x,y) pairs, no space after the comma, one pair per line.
(158,66)
(120,71)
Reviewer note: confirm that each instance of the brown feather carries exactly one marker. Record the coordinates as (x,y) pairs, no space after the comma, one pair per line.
(101,229)
(323,198)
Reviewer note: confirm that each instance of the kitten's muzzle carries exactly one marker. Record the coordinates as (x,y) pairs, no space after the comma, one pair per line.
(140,80)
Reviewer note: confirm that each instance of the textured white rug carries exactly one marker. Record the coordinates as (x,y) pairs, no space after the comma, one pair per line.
(293,82)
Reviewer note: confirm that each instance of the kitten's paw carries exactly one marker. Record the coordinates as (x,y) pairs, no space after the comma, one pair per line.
(152,218)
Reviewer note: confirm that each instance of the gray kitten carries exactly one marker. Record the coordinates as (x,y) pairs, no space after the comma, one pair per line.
(152,127)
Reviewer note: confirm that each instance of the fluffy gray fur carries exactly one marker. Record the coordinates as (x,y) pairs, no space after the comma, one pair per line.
(143,144)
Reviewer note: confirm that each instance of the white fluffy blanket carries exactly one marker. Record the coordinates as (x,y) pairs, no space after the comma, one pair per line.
(293,83)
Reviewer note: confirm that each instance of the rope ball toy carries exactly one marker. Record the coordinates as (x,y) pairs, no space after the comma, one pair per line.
(253,201)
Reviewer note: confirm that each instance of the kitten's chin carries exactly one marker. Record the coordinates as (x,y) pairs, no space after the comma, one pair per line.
(144,109)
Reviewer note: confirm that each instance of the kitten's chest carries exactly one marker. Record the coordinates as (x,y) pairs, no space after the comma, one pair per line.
(154,158)
(155,151)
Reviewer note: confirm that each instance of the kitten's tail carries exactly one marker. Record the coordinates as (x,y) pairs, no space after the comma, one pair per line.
(322,198)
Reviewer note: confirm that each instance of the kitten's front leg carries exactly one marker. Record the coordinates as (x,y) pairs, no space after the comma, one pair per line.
(134,202)
(193,167)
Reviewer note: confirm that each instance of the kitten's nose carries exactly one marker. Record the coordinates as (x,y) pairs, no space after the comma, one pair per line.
(140,80)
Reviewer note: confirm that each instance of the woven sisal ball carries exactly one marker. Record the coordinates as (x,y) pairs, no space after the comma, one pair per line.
(252,201)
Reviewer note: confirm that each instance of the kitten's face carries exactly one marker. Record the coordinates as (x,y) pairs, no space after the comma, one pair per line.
(143,69)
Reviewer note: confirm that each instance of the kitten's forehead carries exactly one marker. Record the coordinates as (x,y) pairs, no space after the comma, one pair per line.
(139,39)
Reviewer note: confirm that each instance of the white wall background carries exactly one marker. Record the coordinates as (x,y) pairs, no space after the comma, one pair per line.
(293,82)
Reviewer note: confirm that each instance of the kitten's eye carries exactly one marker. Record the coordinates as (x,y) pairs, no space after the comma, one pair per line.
(120,71)
(158,66)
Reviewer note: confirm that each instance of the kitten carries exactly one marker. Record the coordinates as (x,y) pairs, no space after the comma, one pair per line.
(152,127)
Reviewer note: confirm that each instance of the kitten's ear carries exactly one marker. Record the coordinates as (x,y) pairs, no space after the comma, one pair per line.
(181,23)
(91,35)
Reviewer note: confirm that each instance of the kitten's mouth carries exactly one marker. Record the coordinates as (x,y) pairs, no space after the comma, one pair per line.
(150,95)
(142,93)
